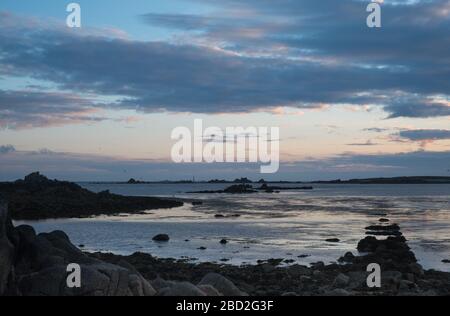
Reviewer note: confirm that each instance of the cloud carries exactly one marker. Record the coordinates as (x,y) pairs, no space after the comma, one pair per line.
(247,56)
(25,109)
(425,134)
(417,107)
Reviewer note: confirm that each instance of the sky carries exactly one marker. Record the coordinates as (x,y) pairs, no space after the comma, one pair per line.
(100,102)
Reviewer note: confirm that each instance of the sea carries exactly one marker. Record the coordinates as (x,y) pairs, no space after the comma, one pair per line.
(291,225)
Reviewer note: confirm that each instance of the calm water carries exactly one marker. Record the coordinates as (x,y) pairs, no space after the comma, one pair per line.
(284,225)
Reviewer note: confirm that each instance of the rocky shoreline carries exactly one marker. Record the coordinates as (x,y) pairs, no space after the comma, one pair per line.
(36,198)
(32,264)
(401,275)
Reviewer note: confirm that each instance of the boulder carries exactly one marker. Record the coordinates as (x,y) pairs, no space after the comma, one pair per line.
(416,269)
(347,258)
(36,265)
(6,249)
(391,278)
(298,270)
(160,283)
(341,281)
(161,238)
(181,289)
(209,290)
(337,292)
(222,284)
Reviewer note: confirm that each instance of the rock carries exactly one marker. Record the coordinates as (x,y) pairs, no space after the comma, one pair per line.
(181,289)
(161,238)
(348,257)
(384,220)
(318,265)
(410,277)
(391,278)
(35,178)
(6,249)
(224,241)
(201,248)
(393,227)
(240,189)
(96,279)
(222,284)
(368,244)
(275,262)
(334,240)
(160,283)
(446,261)
(337,292)
(305,279)
(382,230)
(267,268)
(40,266)
(196,203)
(358,279)
(341,281)
(406,285)
(416,269)
(37,197)
(209,290)
(26,233)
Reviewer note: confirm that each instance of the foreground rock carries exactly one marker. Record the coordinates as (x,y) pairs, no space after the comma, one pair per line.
(40,264)
(6,249)
(222,284)
(37,197)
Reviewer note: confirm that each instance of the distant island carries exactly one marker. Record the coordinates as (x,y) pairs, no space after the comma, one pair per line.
(394,180)
(244,180)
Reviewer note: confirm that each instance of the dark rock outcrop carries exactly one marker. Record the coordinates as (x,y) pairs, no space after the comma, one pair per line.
(222,284)
(234,189)
(161,238)
(270,188)
(36,265)
(37,197)
(6,249)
